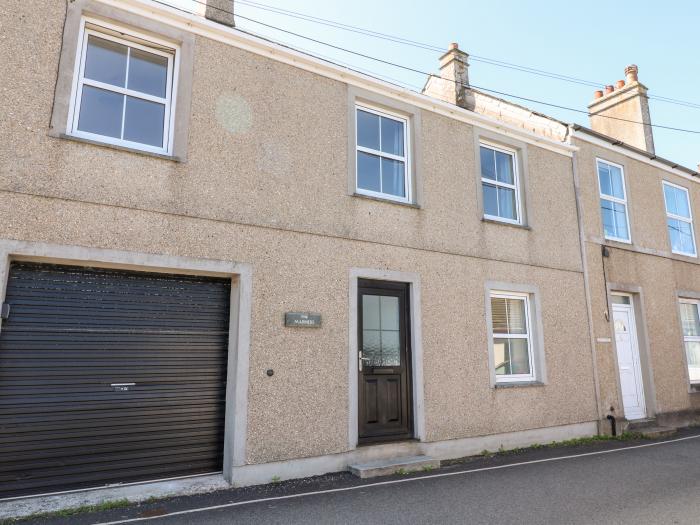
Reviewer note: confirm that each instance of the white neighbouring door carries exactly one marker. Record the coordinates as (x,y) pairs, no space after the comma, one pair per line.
(631,382)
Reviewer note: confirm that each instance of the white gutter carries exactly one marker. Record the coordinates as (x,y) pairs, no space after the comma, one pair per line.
(231,36)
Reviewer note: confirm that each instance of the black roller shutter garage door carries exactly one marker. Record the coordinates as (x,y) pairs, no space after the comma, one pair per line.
(110,376)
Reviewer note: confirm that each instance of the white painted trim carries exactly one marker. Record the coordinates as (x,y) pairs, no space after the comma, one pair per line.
(203,27)
(515,186)
(615,200)
(132,39)
(406,159)
(241,275)
(687,220)
(535,332)
(687,298)
(631,154)
(636,353)
(413,279)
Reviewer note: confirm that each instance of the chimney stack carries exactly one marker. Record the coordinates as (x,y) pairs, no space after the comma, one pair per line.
(623,112)
(220,11)
(452,84)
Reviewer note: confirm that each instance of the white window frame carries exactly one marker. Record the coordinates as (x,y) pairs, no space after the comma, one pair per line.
(680,218)
(136,40)
(689,338)
(616,200)
(515,186)
(406,159)
(515,378)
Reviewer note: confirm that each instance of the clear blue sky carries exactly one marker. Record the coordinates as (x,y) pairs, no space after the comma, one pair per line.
(588,40)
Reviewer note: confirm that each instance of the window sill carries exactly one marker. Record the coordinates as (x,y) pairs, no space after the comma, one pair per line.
(120,148)
(388,201)
(518,384)
(504,223)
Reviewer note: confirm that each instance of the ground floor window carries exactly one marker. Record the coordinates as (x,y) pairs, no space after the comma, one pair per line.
(690,319)
(511,337)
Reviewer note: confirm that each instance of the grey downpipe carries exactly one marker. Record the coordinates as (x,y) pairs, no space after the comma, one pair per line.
(586,283)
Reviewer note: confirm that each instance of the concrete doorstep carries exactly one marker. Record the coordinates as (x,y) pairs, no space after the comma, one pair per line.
(387,467)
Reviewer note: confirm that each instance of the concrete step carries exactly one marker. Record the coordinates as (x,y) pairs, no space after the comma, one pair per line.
(656,432)
(387,467)
(640,424)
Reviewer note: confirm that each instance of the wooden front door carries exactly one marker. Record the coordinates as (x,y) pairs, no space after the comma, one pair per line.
(384,362)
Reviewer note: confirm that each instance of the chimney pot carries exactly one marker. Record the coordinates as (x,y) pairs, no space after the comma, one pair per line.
(454,45)
(631,72)
(609,89)
(598,94)
(619,84)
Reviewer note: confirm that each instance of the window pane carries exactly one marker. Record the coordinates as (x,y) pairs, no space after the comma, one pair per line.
(690,319)
(370,312)
(614,219)
(501,356)
(670,197)
(620,299)
(371,346)
(508,316)
(488,163)
(676,201)
(367,130)
(105,61)
(392,136)
(519,358)
(148,73)
(621,220)
(144,122)
(618,189)
(389,312)
(368,172)
(692,350)
(681,234)
(517,322)
(390,348)
(393,177)
(101,112)
(499,315)
(604,178)
(490,200)
(504,167)
(506,203)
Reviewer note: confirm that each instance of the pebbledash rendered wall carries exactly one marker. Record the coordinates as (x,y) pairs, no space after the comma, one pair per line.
(265,183)
(648,270)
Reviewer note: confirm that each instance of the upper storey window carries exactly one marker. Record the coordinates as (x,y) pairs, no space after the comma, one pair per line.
(382,155)
(124,91)
(499,182)
(679,219)
(613,201)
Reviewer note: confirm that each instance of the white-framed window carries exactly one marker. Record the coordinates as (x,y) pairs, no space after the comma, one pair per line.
(500,183)
(383,161)
(511,335)
(690,319)
(679,219)
(613,201)
(123,92)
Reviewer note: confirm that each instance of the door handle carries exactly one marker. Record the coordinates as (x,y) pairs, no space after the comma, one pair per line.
(361,360)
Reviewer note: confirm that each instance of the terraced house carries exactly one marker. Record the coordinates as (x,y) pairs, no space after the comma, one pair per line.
(226,261)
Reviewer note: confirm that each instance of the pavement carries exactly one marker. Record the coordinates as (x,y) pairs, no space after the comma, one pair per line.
(611,482)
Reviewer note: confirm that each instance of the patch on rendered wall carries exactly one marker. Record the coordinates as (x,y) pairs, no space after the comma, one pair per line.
(233,113)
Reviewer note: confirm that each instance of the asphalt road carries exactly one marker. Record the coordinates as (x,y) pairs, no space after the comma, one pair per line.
(652,484)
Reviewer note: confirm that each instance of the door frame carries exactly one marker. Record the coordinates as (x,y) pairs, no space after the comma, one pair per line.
(635,334)
(416,352)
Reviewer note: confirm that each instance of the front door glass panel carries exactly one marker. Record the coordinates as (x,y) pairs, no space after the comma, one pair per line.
(380,337)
